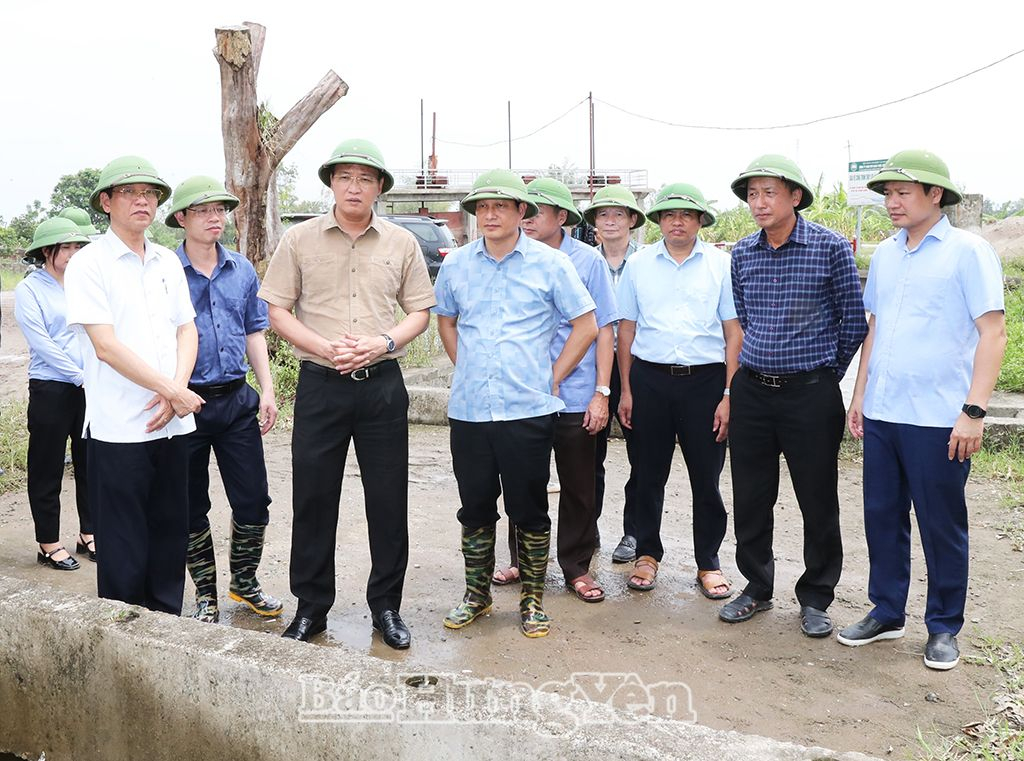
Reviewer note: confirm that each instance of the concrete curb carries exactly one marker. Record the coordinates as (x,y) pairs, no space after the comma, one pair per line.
(88,679)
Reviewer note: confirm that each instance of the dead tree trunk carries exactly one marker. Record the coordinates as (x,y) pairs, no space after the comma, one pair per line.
(255,141)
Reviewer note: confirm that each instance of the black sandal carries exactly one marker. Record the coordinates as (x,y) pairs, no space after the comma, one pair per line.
(84,548)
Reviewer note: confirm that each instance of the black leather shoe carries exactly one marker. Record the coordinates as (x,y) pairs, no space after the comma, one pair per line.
(302,628)
(392,629)
(941,652)
(626,550)
(868,630)
(815,622)
(743,608)
(67,564)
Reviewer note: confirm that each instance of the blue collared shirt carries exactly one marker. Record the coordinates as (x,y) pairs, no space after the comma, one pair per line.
(800,305)
(678,308)
(925,302)
(508,312)
(41,310)
(227,310)
(577,388)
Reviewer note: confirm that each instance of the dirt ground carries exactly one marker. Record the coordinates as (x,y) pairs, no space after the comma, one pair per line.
(761,677)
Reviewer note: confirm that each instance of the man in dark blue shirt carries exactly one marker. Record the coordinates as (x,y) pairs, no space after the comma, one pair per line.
(230,320)
(799,301)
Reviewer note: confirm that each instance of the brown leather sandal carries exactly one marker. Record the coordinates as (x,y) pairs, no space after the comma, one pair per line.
(581,585)
(705,588)
(639,572)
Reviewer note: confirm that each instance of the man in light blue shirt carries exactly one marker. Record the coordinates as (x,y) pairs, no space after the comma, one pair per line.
(679,345)
(585,390)
(614,213)
(499,302)
(935,343)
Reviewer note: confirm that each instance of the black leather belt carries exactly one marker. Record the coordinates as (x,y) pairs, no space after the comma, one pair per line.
(678,370)
(360,374)
(218,389)
(790,379)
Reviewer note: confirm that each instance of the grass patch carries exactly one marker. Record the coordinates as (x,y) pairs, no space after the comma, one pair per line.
(10,276)
(13,446)
(425,348)
(1011,376)
(1001,734)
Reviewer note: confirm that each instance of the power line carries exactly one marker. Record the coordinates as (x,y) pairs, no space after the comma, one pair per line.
(515,139)
(821,119)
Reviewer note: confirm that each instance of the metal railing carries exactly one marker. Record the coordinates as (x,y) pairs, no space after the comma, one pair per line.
(463,179)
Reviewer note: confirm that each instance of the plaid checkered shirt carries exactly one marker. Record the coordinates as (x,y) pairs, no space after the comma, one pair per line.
(800,305)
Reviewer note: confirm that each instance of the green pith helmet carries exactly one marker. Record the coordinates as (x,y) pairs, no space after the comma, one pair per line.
(679,195)
(356,151)
(198,190)
(499,184)
(81,218)
(916,165)
(549,191)
(615,196)
(53,232)
(127,170)
(774,165)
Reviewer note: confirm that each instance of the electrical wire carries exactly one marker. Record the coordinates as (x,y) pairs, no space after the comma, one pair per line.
(820,119)
(505,141)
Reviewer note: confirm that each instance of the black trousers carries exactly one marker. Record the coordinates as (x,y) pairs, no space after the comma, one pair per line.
(804,422)
(56,412)
(601,451)
(577,523)
(513,456)
(667,409)
(139,495)
(228,426)
(332,411)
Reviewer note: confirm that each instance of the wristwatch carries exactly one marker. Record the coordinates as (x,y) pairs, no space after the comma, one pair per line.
(389,343)
(603,390)
(974,412)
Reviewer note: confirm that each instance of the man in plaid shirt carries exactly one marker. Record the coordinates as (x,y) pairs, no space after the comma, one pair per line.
(798,298)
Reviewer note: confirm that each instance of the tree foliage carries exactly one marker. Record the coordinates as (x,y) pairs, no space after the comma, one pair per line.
(74,190)
(287,197)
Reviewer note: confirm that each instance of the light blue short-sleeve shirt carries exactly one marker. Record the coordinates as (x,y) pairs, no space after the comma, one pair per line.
(678,308)
(925,302)
(508,312)
(577,388)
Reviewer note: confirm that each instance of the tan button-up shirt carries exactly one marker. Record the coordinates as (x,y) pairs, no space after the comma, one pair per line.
(338,285)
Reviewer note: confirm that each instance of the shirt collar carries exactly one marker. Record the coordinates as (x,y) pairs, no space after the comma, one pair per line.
(523,247)
(937,231)
(222,257)
(698,248)
(328,220)
(119,249)
(800,234)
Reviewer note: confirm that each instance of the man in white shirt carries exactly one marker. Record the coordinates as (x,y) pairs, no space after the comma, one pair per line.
(130,297)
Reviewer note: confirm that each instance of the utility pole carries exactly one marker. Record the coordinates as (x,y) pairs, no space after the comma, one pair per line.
(590,97)
(509,134)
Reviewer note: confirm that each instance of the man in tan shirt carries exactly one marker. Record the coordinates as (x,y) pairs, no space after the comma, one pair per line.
(333,287)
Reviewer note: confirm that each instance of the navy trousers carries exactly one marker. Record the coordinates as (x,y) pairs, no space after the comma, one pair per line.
(138,494)
(228,425)
(906,464)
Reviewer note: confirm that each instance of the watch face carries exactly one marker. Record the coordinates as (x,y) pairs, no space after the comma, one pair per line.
(974,411)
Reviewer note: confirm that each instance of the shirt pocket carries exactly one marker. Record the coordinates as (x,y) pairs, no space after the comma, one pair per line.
(319,272)
(386,272)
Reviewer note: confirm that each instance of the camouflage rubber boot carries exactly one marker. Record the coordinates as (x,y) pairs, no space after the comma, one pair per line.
(533,567)
(246,551)
(202,567)
(478,549)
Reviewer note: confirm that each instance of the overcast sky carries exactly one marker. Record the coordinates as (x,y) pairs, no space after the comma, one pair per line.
(82,83)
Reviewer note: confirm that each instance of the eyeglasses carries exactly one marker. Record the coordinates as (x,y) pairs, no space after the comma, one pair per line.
(206,211)
(150,194)
(361,181)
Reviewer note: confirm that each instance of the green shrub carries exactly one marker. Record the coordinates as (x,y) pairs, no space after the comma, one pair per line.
(13,446)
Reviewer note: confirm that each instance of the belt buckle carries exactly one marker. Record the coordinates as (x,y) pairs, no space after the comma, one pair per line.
(360,374)
(771,381)
(683,370)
